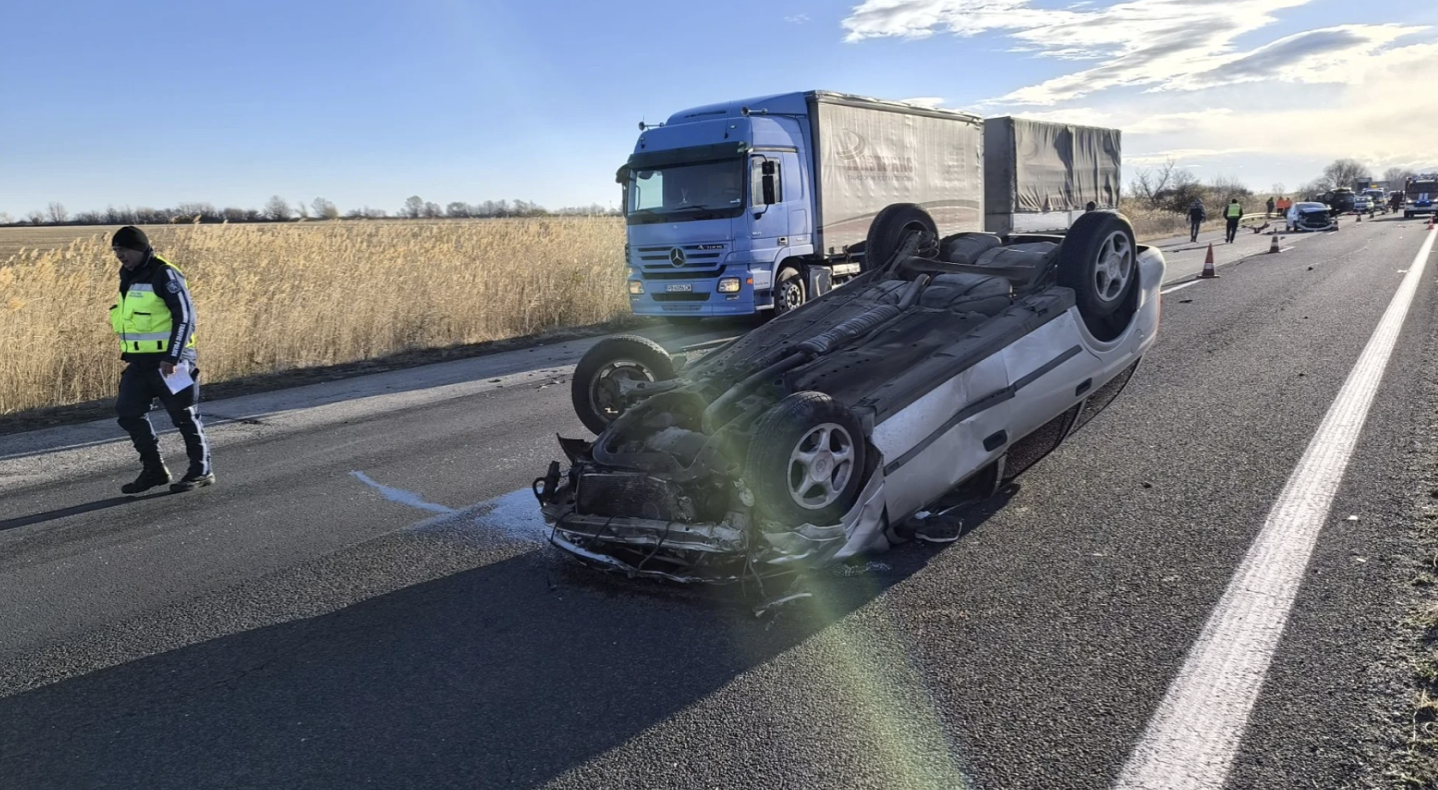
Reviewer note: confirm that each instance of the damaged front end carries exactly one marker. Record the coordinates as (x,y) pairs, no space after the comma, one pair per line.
(658,496)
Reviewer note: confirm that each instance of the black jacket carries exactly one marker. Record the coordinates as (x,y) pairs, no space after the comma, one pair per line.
(170,286)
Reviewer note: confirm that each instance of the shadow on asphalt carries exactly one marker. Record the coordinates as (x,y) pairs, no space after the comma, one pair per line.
(507,675)
(75,510)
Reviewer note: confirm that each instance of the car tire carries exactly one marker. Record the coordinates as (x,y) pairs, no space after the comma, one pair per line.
(592,390)
(1099,261)
(789,292)
(890,229)
(806,463)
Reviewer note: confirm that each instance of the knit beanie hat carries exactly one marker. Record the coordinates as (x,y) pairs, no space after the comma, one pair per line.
(131,238)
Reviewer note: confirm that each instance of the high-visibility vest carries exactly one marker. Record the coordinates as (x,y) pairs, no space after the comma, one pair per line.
(1234,211)
(142,321)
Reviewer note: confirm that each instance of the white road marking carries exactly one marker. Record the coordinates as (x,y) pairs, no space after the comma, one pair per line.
(1193,736)
(403,497)
(1180,287)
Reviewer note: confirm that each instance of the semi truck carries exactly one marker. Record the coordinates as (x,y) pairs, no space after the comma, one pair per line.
(759,205)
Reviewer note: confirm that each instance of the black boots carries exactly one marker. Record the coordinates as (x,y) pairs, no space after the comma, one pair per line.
(191,481)
(153,474)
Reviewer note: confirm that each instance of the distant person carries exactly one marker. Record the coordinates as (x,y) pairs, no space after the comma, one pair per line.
(1090,208)
(154,320)
(1196,217)
(1233,212)
(1271,204)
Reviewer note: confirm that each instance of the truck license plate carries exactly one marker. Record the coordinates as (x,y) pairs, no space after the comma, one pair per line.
(680,288)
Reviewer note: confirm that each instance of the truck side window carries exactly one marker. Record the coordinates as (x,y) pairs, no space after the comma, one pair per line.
(768,186)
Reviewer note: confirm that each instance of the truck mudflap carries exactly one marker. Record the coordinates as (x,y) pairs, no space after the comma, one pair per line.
(724,553)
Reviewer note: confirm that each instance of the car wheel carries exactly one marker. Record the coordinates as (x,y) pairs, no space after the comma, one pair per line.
(806,463)
(594,391)
(788,291)
(890,229)
(1099,261)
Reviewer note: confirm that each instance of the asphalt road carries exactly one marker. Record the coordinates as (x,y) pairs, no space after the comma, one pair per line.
(365,599)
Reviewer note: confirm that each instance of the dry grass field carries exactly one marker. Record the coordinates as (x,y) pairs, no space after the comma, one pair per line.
(279,297)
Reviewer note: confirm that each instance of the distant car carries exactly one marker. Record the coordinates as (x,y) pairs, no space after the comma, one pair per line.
(944,371)
(1362,203)
(1342,201)
(1310,216)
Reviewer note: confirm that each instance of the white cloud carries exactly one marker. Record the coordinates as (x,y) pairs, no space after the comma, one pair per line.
(797,19)
(932,102)
(1153,44)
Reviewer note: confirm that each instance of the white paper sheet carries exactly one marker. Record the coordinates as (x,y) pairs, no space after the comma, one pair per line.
(180,379)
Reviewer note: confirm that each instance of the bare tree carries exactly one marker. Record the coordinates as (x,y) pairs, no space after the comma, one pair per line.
(35,218)
(302,209)
(324,209)
(58,214)
(1149,185)
(6,219)
(1278,190)
(458,209)
(1396,177)
(413,207)
(278,209)
(1343,173)
(432,211)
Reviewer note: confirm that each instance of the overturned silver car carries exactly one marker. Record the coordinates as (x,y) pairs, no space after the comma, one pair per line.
(948,367)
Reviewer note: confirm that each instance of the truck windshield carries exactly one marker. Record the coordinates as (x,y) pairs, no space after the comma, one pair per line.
(689,191)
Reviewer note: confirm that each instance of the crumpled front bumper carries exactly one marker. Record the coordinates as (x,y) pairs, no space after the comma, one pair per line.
(723,553)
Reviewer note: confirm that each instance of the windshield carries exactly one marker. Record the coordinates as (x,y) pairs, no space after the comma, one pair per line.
(676,193)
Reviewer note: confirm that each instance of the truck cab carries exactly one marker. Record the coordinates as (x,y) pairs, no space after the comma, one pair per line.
(715,198)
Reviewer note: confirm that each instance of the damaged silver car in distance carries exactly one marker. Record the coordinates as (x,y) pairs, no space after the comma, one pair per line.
(950,365)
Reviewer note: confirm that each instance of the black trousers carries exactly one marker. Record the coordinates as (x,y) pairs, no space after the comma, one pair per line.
(140,385)
(1232,228)
(1194,225)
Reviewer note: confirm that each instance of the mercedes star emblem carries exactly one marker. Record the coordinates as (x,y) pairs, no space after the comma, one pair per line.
(676,256)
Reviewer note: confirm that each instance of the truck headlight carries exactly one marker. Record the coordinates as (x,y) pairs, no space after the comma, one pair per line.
(636,287)
(729,285)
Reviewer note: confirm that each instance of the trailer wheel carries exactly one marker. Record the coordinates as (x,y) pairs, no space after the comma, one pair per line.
(891,228)
(807,462)
(1099,261)
(594,391)
(788,291)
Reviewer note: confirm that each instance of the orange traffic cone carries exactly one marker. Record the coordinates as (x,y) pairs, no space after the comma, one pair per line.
(1208,272)
(1272,248)
(1431,217)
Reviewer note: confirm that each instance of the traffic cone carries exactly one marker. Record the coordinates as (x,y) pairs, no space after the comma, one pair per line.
(1272,248)
(1430,221)
(1208,272)
(1360,216)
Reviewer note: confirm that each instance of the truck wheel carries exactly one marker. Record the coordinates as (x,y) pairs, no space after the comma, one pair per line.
(788,291)
(890,229)
(594,391)
(806,463)
(1099,261)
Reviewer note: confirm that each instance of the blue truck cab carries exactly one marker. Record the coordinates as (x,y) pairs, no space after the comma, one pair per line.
(717,200)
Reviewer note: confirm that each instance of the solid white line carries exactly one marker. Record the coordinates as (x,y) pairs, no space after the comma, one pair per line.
(1180,287)
(1193,736)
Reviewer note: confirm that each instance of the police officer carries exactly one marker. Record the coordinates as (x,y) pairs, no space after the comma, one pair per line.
(154,320)
(1233,212)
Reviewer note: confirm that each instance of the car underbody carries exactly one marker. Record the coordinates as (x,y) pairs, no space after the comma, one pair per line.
(815,438)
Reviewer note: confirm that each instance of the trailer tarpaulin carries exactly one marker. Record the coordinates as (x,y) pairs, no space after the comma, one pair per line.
(872,154)
(1036,166)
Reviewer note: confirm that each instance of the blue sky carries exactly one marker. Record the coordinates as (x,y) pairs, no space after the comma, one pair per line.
(366,103)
